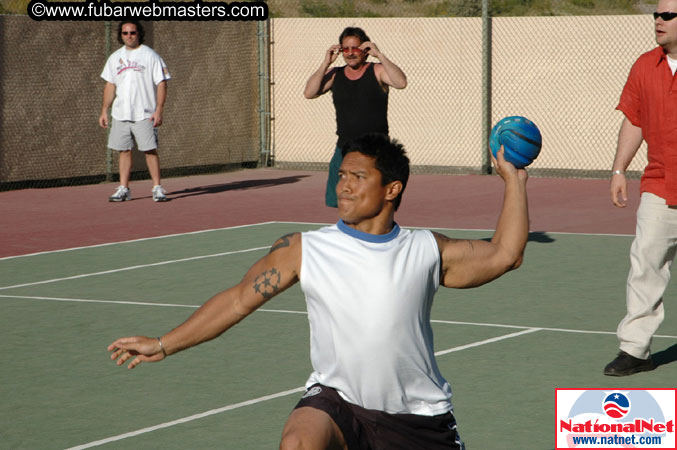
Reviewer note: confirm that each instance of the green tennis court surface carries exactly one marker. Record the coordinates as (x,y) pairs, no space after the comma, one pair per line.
(504,347)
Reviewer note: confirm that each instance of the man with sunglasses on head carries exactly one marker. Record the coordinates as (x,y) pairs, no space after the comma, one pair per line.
(136,86)
(359,90)
(650,108)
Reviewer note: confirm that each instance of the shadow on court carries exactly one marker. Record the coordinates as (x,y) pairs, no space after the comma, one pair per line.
(235,186)
(541,237)
(665,356)
(535,236)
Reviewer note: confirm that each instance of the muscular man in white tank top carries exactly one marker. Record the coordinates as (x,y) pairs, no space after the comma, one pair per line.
(369,286)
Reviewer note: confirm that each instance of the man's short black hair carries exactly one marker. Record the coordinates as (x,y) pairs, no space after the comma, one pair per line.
(139,30)
(390,158)
(355,32)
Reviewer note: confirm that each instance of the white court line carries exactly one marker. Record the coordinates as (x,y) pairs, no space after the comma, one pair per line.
(136,240)
(287,223)
(121,302)
(82,300)
(477,229)
(559,330)
(187,419)
(286,311)
(268,397)
(487,341)
(453,322)
(161,263)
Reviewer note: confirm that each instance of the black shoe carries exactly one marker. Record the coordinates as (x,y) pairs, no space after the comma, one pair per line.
(625,364)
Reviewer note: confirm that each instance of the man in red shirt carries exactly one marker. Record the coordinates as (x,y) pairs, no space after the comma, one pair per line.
(649,103)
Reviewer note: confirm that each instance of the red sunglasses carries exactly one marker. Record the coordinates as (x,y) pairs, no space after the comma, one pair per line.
(351,50)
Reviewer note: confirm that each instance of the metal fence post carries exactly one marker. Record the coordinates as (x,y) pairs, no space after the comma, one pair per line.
(109,153)
(265,158)
(486,86)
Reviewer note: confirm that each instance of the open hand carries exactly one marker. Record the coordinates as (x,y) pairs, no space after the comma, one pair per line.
(144,349)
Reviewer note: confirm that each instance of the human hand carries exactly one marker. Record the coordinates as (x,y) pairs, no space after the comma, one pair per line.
(618,189)
(506,169)
(145,349)
(103,120)
(156,118)
(371,49)
(332,54)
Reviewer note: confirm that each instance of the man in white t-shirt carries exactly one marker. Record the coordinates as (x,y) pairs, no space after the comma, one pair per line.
(369,286)
(136,86)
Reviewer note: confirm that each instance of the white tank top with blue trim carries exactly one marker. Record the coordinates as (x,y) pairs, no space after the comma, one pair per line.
(369,299)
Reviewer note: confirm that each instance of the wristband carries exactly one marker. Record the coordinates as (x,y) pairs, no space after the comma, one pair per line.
(162,347)
(618,172)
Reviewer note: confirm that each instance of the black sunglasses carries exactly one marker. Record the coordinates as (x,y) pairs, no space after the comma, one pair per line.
(666,16)
(131,33)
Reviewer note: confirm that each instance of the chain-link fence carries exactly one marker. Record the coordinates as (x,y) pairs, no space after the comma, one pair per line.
(564,73)
(51,95)
(453,8)
(425,8)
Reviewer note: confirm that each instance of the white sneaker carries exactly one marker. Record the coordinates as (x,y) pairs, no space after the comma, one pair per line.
(122,194)
(159,194)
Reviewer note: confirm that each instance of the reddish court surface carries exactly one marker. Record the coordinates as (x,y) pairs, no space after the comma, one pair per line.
(36,220)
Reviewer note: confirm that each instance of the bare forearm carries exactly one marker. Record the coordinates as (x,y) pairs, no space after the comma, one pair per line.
(266,278)
(629,140)
(512,229)
(217,315)
(108,96)
(161,96)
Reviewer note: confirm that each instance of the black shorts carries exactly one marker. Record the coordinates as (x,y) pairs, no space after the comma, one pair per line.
(369,429)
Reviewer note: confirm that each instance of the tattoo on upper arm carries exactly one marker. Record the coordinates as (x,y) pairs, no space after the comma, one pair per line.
(268,283)
(282,242)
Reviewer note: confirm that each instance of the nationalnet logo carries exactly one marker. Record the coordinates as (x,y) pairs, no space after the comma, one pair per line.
(615,419)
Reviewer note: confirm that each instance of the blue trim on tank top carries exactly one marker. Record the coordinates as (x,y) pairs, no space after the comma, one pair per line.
(361,235)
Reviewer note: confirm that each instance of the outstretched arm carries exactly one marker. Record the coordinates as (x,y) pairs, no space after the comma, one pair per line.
(268,277)
(469,263)
(629,140)
(323,78)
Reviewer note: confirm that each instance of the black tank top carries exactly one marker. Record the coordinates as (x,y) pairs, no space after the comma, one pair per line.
(361,105)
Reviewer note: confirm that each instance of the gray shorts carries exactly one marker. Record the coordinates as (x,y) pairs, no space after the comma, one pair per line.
(123,133)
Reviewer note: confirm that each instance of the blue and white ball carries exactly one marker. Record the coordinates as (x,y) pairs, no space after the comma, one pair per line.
(521,140)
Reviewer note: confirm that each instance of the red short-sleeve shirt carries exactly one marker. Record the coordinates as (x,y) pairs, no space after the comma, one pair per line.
(649,101)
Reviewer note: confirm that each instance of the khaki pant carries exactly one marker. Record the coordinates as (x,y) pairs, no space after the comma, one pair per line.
(651,256)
